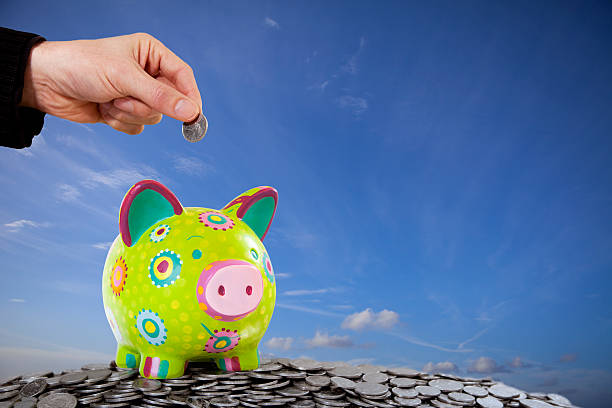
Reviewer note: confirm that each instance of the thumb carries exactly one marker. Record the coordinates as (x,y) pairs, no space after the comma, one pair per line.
(158,95)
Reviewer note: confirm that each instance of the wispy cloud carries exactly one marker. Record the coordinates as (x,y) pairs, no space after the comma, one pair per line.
(486,365)
(441,367)
(16,226)
(351,64)
(192,166)
(518,362)
(280,343)
(355,104)
(73,287)
(322,339)
(117,178)
(419,342)
(367,318)
(271,23)
(568,358)
(68,193)
(282,275)
(102,245)
(305,292)
(17,300)
(471,339)
(308,310)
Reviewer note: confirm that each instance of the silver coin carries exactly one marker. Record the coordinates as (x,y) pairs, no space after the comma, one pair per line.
(302,404)
(8,394)
(304,364)
(461,397)
(534,403)
(25,403)
(73,378)
(331,403)
(318,380)
(375,377)
(195,131)
(57,400)
(441,404)
(403,382)
(404,392)
(100,366)
(370,389)
(558,399)
(344,383)
(331,394)
(33,388)
(358,402)
(446,385)
(10,387)
(489,402)
(427,391)
(145,384)
(407,402)
(503,391)
(403,372)
(346,372)
(476,391)
(291,374)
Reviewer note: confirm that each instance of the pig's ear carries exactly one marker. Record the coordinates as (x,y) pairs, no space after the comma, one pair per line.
(256,207)
(146,203)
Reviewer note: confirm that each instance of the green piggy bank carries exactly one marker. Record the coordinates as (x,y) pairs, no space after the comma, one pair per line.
(188,283)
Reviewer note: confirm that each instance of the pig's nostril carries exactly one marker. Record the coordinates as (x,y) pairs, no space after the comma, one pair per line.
(221,290)
(249,290)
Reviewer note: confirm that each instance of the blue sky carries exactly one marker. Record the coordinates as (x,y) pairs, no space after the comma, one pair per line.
(443,172)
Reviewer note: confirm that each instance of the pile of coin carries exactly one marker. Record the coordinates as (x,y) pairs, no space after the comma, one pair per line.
(276,383)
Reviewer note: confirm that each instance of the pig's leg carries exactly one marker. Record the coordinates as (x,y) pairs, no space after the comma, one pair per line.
(161,367)
(127,357)
(245,361)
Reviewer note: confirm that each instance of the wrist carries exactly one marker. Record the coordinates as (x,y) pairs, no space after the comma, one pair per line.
(33,81)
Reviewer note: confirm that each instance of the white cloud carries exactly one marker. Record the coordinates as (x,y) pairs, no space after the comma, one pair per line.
(282,275)
(119,178)
(441,367)
(308,310)
(485,365)
(351,65)
(271,23)
(369,319)
(76,288)
(280,343)
(17,300)
(192,166)
(321,339)
(355,104)
(66,192)
(102,245)
(301,292)
(19,224)
(518,362)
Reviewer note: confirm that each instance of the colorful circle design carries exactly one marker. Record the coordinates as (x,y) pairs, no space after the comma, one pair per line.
(118,275)
(222,340)
(216,220)
(268,267)
(165,268)
(151,327)
(254,254)
(196,254)
(159,233)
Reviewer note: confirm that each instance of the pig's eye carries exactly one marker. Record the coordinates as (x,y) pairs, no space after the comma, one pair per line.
(221,290)
(165,268)
(159,233)
(249,290)
(254,254)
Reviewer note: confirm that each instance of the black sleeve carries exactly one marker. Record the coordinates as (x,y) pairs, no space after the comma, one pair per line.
(18,125)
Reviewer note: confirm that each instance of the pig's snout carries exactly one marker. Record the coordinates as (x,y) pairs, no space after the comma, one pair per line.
(229,290)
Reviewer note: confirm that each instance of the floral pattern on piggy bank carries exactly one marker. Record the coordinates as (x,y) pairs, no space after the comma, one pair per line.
(188,283)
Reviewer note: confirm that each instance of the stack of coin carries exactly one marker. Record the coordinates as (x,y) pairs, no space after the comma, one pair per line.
(277,382)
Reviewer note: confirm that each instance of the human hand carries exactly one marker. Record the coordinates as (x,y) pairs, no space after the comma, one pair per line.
(126,82)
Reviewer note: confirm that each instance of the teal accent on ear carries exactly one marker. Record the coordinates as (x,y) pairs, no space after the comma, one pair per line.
(259,215)
(148,208)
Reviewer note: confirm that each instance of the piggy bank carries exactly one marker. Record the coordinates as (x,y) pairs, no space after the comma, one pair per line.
(189,283)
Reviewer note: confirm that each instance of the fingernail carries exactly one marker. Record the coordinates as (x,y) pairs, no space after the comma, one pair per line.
(186,109)
(124,105)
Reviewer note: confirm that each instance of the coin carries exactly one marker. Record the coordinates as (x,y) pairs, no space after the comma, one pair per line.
(427,391)
(318,380)
(371,389)
(461,397)
(33,388)
(404,392)
(402,372)
(346,372)
(534,403)
(375,377)
(57,400)
(489,402)
(446,385)
(145,384)
(476,391)
(195,131)
(503,391)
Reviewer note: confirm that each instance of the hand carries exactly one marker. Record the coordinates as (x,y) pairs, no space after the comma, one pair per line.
(126,82)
